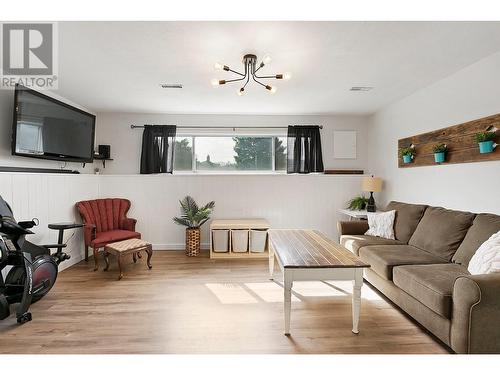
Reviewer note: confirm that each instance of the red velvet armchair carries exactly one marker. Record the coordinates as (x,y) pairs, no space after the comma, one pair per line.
(105,221)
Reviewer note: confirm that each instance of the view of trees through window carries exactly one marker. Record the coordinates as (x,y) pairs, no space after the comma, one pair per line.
(230,153)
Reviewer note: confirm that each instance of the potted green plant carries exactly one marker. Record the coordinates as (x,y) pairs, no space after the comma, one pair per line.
(193,217)
(358,203)
(407,153)
(440,152)
(485,141)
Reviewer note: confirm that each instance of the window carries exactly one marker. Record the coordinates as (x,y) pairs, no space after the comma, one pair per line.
(183,154)
(230,154)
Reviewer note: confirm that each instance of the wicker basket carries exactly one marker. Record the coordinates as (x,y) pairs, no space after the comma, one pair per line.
(193,242)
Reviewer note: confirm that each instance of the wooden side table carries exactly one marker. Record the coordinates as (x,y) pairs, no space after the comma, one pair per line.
(122,248)
(354,214)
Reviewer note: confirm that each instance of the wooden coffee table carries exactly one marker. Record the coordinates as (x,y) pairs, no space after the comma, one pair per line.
(133,246)
(309,255)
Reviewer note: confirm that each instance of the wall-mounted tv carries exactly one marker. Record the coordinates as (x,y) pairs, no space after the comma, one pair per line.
(47,128)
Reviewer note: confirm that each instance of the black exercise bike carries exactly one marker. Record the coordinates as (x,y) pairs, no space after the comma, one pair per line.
(33,270)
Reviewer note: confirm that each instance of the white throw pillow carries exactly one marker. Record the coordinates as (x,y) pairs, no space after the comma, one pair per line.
(487,257)
(381,224)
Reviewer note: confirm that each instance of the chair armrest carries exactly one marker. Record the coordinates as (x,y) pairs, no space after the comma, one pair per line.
(55,245)
(352,227)
(89,233)
(476,309)
(129,224)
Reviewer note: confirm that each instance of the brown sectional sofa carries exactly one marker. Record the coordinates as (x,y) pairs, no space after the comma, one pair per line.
(424,272)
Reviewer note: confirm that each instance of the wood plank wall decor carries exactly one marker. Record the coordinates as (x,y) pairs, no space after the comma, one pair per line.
(462,147)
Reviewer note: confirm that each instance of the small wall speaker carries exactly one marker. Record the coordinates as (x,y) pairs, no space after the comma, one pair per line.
(105,151)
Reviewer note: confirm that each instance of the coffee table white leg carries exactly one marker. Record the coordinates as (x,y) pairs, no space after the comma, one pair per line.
(271,262)
(288,284)
(356,298)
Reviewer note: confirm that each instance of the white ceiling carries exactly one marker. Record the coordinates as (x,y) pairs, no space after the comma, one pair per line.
(118,66)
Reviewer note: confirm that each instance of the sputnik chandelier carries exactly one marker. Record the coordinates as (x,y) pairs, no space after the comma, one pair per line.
(251,69)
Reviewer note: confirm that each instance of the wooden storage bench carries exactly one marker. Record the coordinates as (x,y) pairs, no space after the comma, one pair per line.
(221,238)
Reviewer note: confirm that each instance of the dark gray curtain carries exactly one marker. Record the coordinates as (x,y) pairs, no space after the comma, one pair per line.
(304,150)
(157,154)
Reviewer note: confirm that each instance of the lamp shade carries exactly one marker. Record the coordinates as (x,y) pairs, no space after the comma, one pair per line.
(372,184)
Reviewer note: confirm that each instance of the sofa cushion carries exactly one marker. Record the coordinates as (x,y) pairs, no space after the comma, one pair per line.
(482,228)
(431,284)
(407,219)
(441,231)
(104,238)
(383,258)
(354,242)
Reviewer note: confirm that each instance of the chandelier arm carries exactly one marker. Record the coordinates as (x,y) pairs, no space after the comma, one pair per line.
(246,83)
(260,83)
(234,71)
(234,80)
(266,77)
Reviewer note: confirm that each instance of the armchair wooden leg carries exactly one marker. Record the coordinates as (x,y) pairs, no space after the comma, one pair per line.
(86,253)
(96,260)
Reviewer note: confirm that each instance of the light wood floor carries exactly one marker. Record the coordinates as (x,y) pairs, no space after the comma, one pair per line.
(197,305)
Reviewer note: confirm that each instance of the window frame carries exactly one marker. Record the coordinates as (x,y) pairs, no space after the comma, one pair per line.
(194,169)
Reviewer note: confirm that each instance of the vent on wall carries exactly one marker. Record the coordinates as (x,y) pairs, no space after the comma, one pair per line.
(361,88)
(171,85)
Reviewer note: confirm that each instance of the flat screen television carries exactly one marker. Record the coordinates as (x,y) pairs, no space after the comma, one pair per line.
(47,128)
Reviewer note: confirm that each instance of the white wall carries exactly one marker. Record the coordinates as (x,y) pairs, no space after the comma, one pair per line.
(295,201)
(51,198)
(114,129)
(469,94)
(6,158)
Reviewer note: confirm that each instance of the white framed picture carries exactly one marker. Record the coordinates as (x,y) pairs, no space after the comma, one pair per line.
(344,144)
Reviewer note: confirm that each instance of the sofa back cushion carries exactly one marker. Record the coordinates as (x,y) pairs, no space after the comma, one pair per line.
(441,231)
(482,228)
(407,219)
(106,214)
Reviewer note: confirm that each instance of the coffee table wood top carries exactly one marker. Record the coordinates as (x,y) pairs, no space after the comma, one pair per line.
(300,248)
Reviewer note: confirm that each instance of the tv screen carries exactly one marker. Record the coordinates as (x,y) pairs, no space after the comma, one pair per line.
(47,128)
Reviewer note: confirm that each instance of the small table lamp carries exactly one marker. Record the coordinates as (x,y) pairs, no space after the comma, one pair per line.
(372,185)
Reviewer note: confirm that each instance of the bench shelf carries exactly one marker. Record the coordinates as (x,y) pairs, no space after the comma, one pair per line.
(230,225)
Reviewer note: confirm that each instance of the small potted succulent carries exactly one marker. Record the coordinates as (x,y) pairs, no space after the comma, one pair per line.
(485,141)
(358,203)
(407,153)
(193,217)
(440,152)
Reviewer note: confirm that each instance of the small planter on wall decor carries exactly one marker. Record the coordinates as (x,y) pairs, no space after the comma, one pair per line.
(440,153)
(407,153)
(486,142)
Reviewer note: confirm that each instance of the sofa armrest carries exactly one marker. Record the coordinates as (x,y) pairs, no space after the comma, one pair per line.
(89,233)
(476,309)
(129,224)
(352,227)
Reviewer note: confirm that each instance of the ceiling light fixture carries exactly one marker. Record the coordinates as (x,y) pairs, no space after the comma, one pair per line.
(251,69)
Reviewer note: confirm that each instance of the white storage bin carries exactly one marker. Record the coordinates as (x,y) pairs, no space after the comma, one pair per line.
(220,240)
(258,241)
(239,240)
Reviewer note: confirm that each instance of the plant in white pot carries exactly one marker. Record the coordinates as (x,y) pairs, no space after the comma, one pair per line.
(193,217)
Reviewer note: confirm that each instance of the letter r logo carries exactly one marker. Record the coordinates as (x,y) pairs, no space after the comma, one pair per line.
(27,49)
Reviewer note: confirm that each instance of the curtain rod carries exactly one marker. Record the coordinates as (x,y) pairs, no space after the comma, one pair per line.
(223,127)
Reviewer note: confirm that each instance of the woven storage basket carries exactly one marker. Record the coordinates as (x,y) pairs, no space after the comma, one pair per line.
(193,242)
